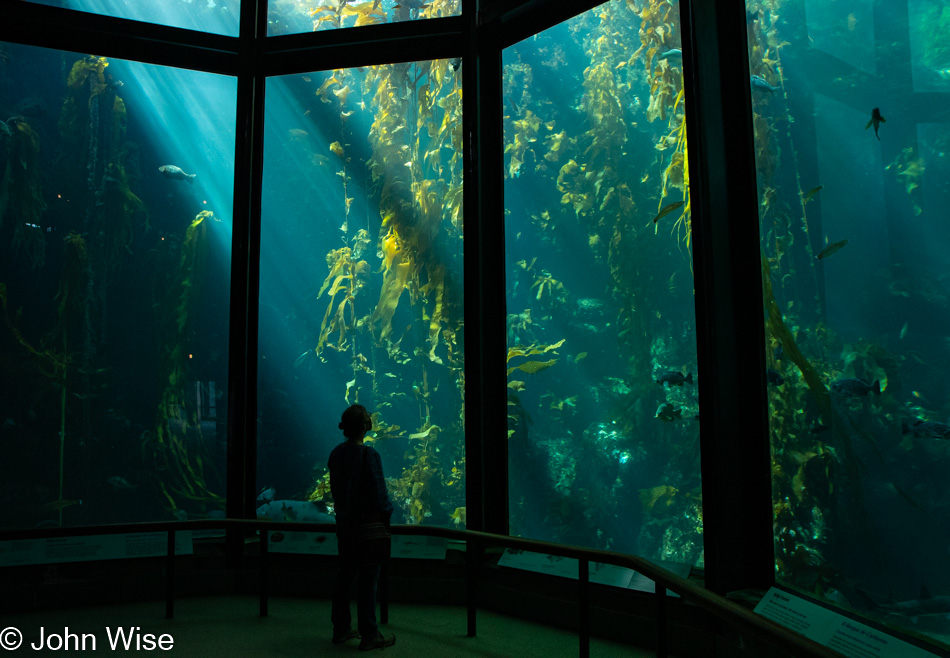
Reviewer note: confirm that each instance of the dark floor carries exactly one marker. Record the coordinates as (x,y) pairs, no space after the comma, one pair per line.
(230,626)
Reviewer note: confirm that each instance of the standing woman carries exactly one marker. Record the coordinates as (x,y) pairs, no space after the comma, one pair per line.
(362,510)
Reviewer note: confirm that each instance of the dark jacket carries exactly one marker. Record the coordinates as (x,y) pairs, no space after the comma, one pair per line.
(356,478)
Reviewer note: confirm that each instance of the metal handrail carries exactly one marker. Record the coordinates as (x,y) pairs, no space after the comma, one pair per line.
(723,609)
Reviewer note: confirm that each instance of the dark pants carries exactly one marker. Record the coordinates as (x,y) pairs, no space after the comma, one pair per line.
(368,576)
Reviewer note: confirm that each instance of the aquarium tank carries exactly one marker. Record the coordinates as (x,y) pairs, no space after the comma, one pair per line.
(361,290)
(116,186)
(603,407)
(851,145)
(116,215)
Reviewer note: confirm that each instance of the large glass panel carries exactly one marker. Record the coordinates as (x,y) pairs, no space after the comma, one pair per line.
(115,214)
(852,175)
(361,285)
(602,384)
(215,16)
(295,16)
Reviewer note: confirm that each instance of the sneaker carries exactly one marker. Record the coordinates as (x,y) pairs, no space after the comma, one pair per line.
(344,635)
(378,642)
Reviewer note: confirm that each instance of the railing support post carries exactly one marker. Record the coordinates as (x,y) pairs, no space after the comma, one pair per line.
(583,605)
(662,636)
(472,549)
(170,577)
(264,574)
(383,593)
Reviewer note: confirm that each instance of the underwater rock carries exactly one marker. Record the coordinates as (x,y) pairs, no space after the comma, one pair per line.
(294,510)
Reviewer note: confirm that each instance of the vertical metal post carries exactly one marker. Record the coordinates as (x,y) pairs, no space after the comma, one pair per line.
(729,303)
(583,605)
(472,549)
(263,572)
(662,632)
(170,577)
(486,494)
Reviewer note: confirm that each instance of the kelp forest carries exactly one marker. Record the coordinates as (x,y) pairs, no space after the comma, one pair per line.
(101,290)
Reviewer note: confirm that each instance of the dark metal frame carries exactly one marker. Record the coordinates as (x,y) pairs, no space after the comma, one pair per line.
(729,309)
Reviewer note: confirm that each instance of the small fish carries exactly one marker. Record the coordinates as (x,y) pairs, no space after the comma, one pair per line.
(834,247)
(298,133)
(666,210)
(266,495)
(302,358)
(758,82)
(876,121)
(120,482)
(580,356)
(667,412)
(455,63)
(673,54)
(853,387)
(926,429)
(673,378)
(903,331)
(811,193)
(171,171)
(775,378)
(60,504)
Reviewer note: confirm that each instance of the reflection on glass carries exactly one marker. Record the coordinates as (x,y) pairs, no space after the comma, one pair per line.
(930,44)
(215,16)
(116,212)
(852,187)
(602,382)
(361,285)
(295,16)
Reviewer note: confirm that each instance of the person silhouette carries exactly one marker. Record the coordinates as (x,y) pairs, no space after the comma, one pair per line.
(363,512)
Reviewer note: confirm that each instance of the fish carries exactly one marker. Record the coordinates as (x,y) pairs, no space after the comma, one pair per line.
(673,378)
(171,171)
(673,54)
(904,330)
(181,515)
(667,412)
(926,605)
(926,429)
(302,358)
(855,387)
(876,121)
(758,82)
(833,248)
(811,193)
(666,210)
(775,378)
(455,63)
(120,482)
(266,495)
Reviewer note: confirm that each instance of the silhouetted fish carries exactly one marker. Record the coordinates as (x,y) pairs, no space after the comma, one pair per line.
(171,171)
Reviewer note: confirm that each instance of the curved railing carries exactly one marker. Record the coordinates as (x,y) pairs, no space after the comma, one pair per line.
(723,609)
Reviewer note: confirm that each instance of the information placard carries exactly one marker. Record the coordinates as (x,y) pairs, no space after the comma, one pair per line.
(57,550)
(832,629)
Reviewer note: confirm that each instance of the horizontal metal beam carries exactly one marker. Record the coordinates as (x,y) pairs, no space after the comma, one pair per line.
(83,32)
(435,38)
